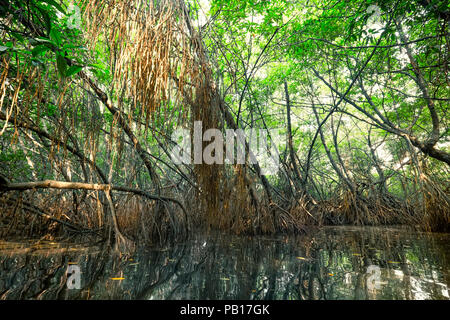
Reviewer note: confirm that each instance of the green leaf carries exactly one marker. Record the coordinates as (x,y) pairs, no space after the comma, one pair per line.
(51,109)
(3,48)
(45,15)
(73,46)
(55,35)
(55,4)
(73,70)
(48,23)
(98,66)
(36,41)
(62,65)
(39,49)
(18,36)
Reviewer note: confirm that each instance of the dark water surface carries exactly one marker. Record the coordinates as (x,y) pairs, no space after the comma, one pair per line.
(333,263)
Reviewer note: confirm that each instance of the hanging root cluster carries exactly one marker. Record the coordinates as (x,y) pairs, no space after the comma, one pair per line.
(150,50)
(226,195)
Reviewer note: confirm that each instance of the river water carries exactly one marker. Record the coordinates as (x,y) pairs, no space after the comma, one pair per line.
(333,263)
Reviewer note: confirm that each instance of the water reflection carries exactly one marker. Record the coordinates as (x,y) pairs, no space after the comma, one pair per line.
(330,264)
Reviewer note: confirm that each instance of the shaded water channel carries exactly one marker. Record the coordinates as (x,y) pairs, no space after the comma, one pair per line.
(333,263)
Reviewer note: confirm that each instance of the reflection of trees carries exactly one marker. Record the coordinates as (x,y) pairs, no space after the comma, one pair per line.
(331,264)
